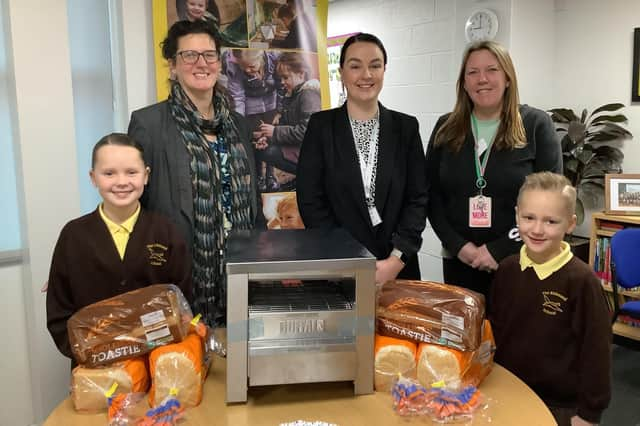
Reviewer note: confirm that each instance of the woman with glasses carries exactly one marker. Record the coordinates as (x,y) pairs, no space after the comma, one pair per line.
(201,160)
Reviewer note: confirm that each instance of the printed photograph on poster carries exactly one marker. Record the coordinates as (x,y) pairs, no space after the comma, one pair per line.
(280,210)
(282,24)
(271,71)
(228,17)
(237,21)
(276,91)
(336,90)
(622,194)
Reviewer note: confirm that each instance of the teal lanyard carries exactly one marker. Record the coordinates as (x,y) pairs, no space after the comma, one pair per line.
(481,182)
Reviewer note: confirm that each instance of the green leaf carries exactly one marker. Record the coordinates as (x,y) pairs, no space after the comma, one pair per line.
(566,143)
(608,107)
(571,165)
(604,164)
(606,136)
(608,127)
(609,152)
(591,172)
(618,118)
(586,155)
(563,115)
(599,182)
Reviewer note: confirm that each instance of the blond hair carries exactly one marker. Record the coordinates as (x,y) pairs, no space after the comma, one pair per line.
(457,126)
(286,203)
(553,182)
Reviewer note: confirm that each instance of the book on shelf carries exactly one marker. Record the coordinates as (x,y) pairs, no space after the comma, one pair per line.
(602,259)
(630,321)
(606,225)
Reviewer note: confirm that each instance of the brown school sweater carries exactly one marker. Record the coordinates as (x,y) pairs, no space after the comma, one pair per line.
(554,334)
(87,268)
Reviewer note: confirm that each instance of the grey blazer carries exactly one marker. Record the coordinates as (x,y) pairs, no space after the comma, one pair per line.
(169,189)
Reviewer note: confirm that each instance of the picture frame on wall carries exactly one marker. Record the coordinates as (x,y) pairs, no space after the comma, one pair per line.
(635,73)
(622,194)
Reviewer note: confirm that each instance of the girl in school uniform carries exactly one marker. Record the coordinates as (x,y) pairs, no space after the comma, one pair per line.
(118,247)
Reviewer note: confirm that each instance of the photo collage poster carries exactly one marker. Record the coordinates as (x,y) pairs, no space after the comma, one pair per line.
(274,76)
(337,95)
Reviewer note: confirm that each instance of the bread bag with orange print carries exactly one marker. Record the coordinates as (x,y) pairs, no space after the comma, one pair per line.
(91,387)
(393,357)
(441,366)
(482,359)
(128,325)
(426,311)
(178,370)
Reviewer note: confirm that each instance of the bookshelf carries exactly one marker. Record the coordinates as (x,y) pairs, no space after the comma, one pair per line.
(602,229)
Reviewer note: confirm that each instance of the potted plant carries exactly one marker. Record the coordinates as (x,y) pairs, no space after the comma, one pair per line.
(590,149)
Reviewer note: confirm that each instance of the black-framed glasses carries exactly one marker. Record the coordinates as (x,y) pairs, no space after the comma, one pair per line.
(191,56)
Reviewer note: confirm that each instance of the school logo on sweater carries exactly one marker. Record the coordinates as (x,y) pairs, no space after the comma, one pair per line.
(157,254)
(553,302)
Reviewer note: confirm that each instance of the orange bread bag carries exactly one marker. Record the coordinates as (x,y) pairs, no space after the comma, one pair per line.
(91,387)
(452,368)
(178,370)
(393,357)
(482,359)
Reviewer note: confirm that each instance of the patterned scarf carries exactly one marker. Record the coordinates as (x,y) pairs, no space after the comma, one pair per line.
(221,186)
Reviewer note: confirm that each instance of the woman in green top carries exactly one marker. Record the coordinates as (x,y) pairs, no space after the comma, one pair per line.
(477,158)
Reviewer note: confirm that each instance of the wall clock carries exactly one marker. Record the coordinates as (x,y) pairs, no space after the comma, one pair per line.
(481,25)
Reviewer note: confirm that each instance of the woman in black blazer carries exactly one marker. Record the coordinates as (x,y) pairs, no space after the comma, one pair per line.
(362,167)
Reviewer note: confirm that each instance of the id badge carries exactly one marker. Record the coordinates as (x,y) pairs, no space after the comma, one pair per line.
(480,212)
(375,216)
(482,146)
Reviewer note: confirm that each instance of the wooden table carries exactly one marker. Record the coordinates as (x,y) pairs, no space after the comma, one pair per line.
(511,403)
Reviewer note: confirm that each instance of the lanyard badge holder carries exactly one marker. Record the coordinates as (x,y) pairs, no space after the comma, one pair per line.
(366,170)
(480,205)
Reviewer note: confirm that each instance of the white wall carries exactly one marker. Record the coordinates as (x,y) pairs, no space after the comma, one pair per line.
(48,188)
(532,46)
(592,64)
(15,394)
(138,54)
(593,61)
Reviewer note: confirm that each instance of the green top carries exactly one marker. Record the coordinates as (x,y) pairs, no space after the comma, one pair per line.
(484,132)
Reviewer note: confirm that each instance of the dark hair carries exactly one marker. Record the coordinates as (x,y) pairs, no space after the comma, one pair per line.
(182,28)
(286,11)
(295,62)
(363,37)
(119,139)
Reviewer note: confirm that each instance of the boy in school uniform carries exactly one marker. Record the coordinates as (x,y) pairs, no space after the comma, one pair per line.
(117,248)
(549,317)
